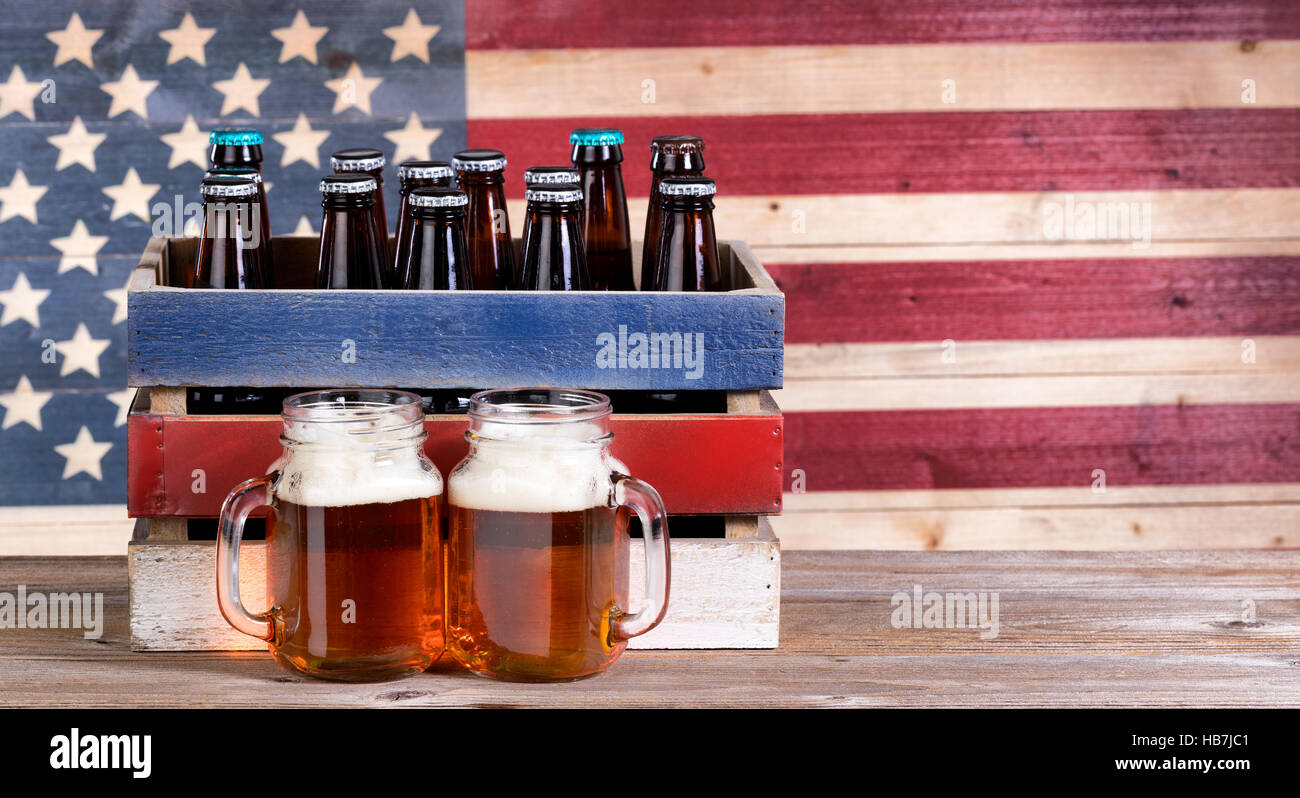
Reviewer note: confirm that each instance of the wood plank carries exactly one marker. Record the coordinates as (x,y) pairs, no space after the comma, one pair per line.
(1103,528)
(1043,447)
(1051,299)
(1075,629)
(751,80)
(79,529)
(165,401)
(719,463)
(725,594)
(1019,250)
(1273,354)
(972,392)
(989,218)
(943,151)
(1081,496)
(466,338)
(506,25)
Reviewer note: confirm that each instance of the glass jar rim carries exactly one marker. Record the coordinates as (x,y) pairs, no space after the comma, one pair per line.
(538,405)
(372,417)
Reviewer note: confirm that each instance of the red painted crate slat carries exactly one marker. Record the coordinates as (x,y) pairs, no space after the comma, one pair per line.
(705,463)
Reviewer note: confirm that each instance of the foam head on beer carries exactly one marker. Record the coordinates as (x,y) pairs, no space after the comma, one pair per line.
(535,467)
(346,452)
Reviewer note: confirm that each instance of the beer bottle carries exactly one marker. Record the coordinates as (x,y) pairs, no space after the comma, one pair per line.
(551,176)
(554,259)
(481,175)
(229,253)
(350,256)
(435,240)
(597,152)
(670,156)
(239,151)
(229,256)
(264,224)
(371,162)
(688,250)
(412,175)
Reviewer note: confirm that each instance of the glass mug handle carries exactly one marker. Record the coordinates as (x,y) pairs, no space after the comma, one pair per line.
(246,497)
(645,502)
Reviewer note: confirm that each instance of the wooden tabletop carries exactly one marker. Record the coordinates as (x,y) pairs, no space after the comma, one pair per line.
(1205,628)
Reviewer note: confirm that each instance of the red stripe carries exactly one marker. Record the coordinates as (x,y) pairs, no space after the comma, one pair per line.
(938,152)
(1044,447)
(516,25)
(1001,300)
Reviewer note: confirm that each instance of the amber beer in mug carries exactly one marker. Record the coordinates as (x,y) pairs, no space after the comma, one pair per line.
(537,579)
(354,548)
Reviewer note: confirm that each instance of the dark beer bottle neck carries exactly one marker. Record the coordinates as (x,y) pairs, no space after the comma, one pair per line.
(590,154)
(229,252)
(224,156)
(350,256)
(436,254)
(554,255)
(478,179)
(406,185)
(688,249)
(487,230)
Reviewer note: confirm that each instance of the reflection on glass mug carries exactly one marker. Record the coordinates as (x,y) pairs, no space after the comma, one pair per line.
(354,550)
(537,578)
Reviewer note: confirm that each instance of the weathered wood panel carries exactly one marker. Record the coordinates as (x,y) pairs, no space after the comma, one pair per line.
(1103,527)
(747,80)
(724,594)
(723,463)
(1044,447)
(1028,300)
(1269,354)
(503,24)
(944,152)
(459,338)
(935,393)
(84,530)
(1086,629)
(995,219)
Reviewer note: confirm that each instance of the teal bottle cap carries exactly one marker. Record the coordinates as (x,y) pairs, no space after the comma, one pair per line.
(239,136)
(596,137)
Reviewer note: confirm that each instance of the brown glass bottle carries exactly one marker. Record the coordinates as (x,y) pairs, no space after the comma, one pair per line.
(371,162)
(598,153)
(688,247)
(239,151)
(229,256)
(554,257)
(350,256)
(436,255)
(264,223)
(481,175)
(412,175)
(229,253)
(670,156)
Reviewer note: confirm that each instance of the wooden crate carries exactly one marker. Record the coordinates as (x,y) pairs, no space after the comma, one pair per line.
(182,465)
(446,339)
(727,463)
(725,591)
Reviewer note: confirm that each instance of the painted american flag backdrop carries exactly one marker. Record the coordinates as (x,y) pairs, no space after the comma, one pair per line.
(970,364)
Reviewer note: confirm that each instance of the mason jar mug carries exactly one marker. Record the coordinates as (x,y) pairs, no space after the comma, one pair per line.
(537,559)
(354,548)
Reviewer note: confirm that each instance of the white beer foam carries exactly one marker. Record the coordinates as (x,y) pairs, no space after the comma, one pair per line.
(534,468)
(339,468)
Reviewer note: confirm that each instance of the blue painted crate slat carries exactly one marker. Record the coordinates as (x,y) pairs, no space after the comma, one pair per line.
(299,338)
